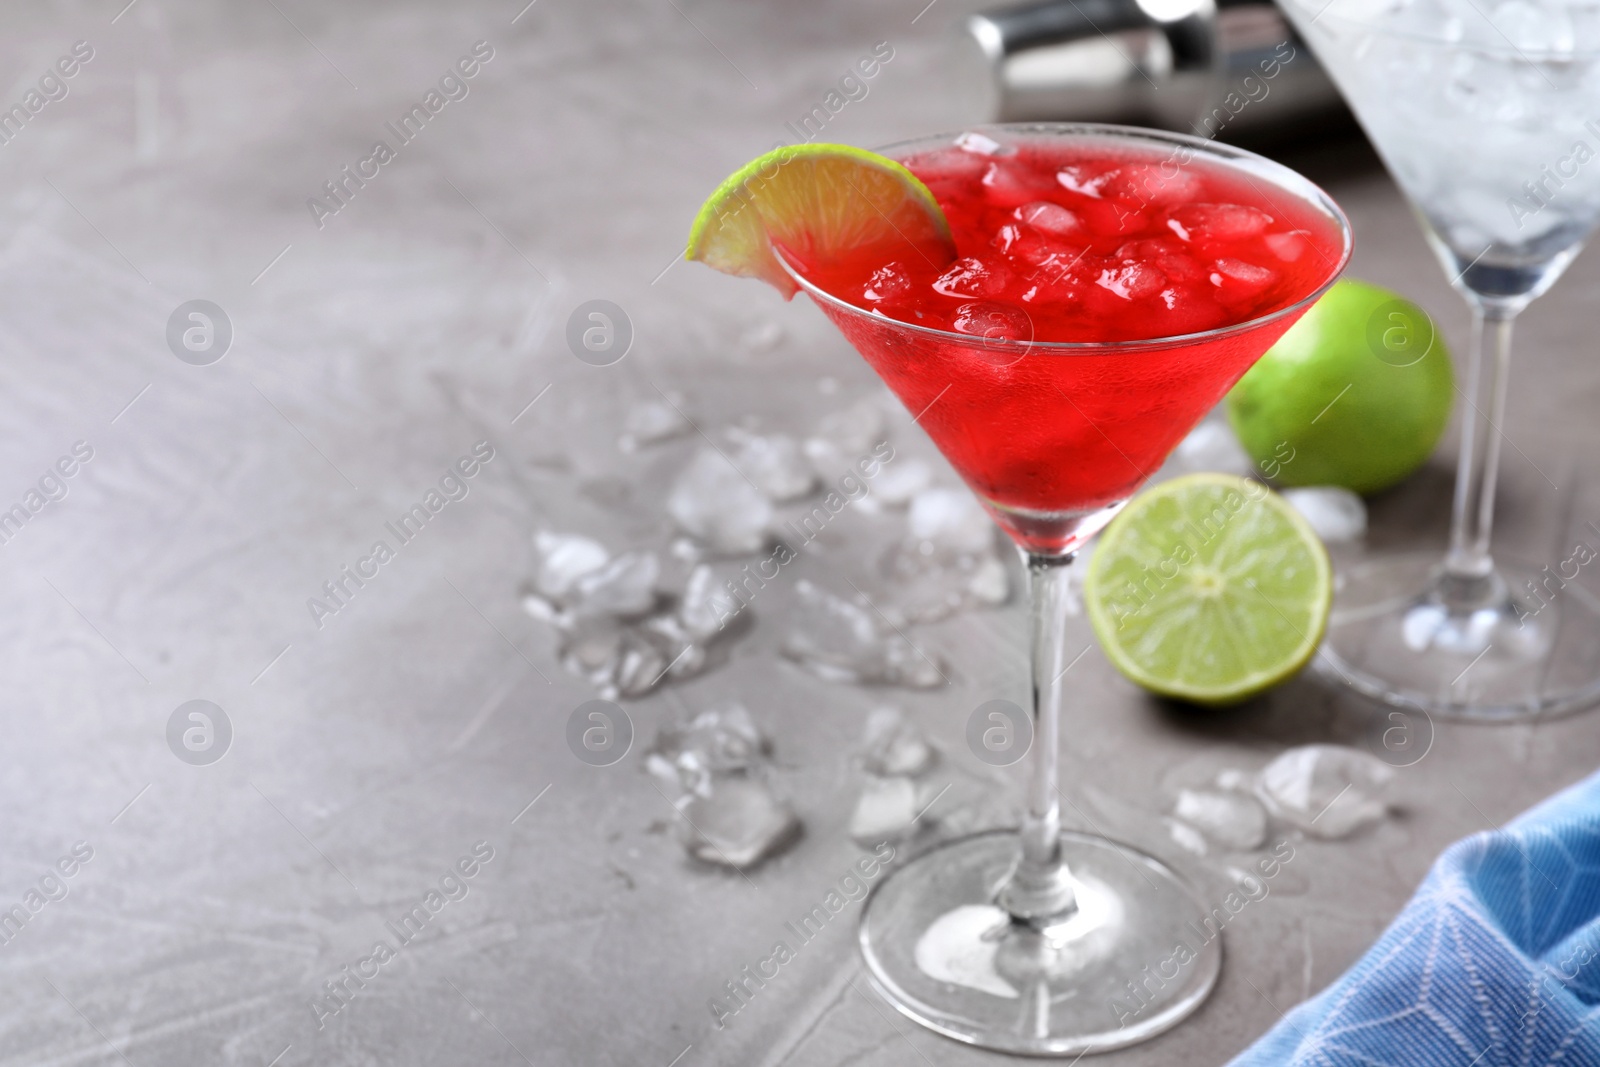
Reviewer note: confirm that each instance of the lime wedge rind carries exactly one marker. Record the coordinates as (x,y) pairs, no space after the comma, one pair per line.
(823,199)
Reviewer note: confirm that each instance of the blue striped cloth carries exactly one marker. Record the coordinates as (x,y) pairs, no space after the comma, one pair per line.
(1495,962)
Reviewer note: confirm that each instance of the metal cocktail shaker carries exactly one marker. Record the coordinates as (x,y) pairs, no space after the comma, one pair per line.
(1231,69)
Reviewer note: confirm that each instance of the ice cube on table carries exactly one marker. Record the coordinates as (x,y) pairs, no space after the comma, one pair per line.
(623,647)
(774,462)
(1326,791)
(950,519)
(855,427)
(932,587)
(898,482)
(618,659)
(886,810)
(990,582)
(575,575)
(625,585)
(1233,780)
(1336,514)
(562,559)
(592,648)
(1187,836)
(948,561)
(1212,446)
(844,642)
(714,503)
(738,822)
(844,437)
(542,607)
(651,421)
(685,654)
(1235,821)
(721,740)
(891,745)
(894,808)
(703,609)
(714,766)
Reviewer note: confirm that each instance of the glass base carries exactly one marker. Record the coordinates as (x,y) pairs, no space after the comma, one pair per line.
(1516,645)
(1138,955)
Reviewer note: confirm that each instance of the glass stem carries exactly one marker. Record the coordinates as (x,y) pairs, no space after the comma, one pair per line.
(1040,887)
(1468,568)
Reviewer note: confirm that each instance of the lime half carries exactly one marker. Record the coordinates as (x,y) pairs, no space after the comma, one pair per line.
(1356,394)
(818,201)
(1209,588)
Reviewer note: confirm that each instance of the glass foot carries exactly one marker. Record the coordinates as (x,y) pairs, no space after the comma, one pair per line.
(1517,645)
(1138,954)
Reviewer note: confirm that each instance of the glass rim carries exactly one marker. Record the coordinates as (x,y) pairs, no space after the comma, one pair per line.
(1290,181)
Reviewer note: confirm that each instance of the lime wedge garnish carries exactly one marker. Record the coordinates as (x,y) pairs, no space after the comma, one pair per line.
(1209,588)
(818,202)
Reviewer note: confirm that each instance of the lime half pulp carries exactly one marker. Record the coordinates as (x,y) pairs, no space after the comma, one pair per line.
(1209,588)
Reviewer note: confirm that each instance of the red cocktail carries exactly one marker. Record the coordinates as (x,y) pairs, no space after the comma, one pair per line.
(1075,251)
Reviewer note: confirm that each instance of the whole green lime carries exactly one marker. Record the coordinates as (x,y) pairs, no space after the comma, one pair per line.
(1355,394)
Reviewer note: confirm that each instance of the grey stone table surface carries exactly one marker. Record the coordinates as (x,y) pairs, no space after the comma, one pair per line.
(375,748)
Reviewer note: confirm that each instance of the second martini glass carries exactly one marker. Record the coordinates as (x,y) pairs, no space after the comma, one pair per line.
(1487,120)
(1044,941)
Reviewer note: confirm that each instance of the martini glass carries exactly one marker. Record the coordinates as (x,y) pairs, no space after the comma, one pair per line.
(1043,941)
(1485,116)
